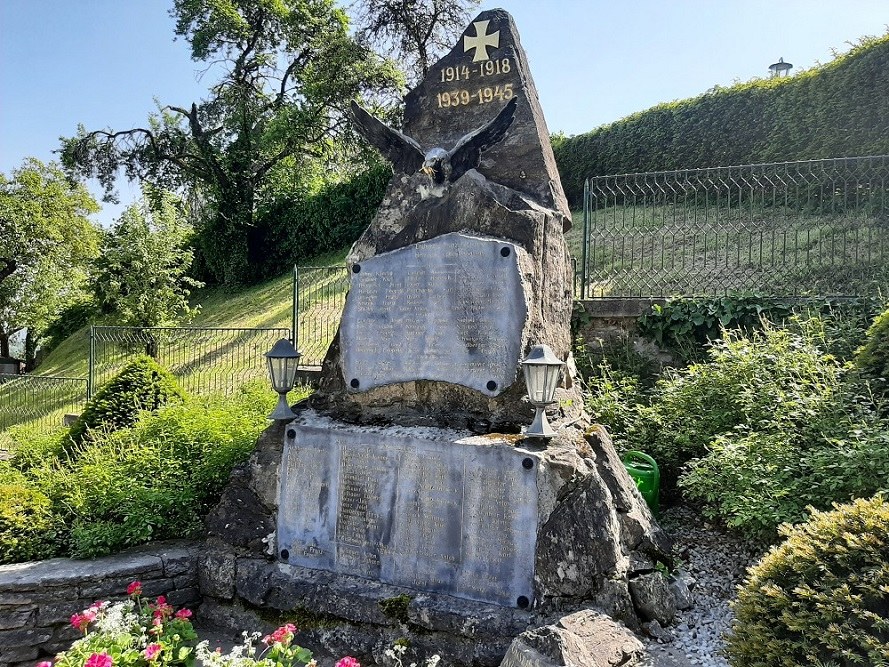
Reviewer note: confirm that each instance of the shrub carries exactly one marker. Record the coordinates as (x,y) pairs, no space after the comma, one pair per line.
(142,385)
(29,530)
(157,479)
(822,596)
(771,381)
(872,358)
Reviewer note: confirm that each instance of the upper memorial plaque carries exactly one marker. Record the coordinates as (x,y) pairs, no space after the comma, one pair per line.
(451,309)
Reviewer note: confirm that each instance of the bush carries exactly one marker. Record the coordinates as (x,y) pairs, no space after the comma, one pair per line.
(872,358)
(822,596)
(29,530)
(158,479)
(772,381)
(142,385)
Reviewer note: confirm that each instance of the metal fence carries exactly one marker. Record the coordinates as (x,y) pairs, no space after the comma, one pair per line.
(814,228)
(204,360)
(319,296)
(42,400)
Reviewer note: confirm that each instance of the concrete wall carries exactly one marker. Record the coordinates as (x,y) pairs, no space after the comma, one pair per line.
(37,599)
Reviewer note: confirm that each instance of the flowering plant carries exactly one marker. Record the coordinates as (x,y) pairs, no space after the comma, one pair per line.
(132,633)
(138,633)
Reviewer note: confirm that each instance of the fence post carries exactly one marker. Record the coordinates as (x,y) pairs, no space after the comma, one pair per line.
(92,363)
(586,238)
(294,335)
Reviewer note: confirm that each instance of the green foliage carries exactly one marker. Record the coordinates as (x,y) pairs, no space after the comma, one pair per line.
(157,479)
(297,225)
(141,273)
(29,529)
(46,242)
(684,326)
(837,109)
(822,596)
(142,385)
(289,70)
(872,358)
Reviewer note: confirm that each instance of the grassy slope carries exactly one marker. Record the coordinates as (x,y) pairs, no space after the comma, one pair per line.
(267,305)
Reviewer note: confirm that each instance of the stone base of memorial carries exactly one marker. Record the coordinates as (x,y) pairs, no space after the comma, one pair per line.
(455,541)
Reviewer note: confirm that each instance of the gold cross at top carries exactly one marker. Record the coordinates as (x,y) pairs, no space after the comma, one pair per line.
(481,41)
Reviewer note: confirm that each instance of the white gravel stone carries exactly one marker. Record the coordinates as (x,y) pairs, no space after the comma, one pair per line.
(717,561)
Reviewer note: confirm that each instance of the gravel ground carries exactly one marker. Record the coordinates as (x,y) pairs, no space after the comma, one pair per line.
(716,561)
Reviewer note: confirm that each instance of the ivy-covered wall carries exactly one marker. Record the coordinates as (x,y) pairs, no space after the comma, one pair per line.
(834,110)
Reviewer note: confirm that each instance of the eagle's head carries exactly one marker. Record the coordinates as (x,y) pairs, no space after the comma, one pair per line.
(437,165)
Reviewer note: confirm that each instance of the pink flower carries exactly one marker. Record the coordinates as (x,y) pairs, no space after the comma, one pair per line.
(99,660)
(151,651)
(134,589)
(183,613)
(282,635)
(45,663)
(348,661)
(82,621)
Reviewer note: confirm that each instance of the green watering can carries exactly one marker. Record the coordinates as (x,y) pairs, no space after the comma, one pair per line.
(644,471)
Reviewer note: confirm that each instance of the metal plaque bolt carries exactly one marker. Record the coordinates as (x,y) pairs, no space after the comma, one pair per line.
(492,386)
(504,252)
(356,268)
(285,555)
(523,602)
(527,464)
(354,383)
(291,433)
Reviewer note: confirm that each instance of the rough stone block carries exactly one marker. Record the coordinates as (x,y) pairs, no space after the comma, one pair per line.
(184,597)
(16,619)
(13,653)
(60,612)
(24,637)
(188,580)
(585,638)
(216,575)
(179,562)
(653,598)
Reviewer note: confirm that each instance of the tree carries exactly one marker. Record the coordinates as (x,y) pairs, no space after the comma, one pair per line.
(46,242)
(143,269)
(289,68)
(419,32)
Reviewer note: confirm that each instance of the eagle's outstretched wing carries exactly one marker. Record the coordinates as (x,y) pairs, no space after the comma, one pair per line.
(468,152)
(403,152)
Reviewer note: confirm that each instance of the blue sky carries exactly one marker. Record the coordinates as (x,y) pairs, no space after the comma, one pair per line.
(103,62)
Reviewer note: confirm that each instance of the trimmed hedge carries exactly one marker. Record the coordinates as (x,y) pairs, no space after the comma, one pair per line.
(822,596)
(142,385)
(833,110)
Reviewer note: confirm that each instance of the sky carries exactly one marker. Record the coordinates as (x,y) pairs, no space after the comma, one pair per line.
(102,63)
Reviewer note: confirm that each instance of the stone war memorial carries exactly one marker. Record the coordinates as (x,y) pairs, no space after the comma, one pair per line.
(403,502)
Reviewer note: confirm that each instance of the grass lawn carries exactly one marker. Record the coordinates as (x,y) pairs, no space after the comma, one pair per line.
(203,362)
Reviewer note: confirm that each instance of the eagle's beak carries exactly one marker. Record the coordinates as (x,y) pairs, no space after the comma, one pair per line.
(427,169)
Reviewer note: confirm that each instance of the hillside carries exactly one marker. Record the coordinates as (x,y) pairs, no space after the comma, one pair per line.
(838,109)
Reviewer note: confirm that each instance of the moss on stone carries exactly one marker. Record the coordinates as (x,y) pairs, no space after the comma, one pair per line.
(396,608)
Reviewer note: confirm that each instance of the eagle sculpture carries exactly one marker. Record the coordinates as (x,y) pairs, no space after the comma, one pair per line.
(407,156)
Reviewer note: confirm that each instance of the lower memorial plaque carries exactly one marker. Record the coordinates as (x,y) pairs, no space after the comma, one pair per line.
(434,515)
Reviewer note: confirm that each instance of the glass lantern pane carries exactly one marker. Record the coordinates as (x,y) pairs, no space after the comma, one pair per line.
(551,382)
(291,364)
(535,381)
(277,373)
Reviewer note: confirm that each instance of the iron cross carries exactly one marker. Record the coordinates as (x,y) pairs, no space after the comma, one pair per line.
(481,41)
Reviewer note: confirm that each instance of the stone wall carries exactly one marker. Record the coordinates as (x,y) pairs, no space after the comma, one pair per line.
(37,599)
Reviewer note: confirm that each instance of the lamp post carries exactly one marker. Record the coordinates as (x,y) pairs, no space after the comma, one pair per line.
(779,68)
(283,360)
(542,369)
